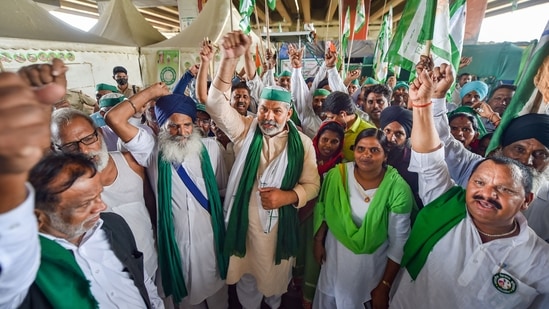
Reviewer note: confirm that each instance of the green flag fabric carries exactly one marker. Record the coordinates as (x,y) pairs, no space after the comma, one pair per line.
(526,89)
(382,46)
(271,4)
(422,21)
(360,18)
(246,9)
(346,31)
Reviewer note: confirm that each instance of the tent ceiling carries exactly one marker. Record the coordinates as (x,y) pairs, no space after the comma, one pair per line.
(163,14)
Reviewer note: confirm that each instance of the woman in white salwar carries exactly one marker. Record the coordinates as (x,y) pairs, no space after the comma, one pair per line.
(362,220)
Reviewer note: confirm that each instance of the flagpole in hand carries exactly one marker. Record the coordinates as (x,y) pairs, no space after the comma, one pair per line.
(267,22)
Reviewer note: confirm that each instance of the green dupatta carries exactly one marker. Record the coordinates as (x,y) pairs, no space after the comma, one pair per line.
(237,228)
(432,223)
(169,258)
(60,278)
(333,206)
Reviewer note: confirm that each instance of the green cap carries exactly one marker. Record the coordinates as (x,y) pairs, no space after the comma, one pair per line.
(201,107)
(285,73)
(321,92)
(275,93)
(370,81)
(111,99)
(99,87)
(401,84)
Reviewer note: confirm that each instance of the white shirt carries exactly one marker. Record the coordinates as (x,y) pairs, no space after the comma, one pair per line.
(19,252)
(460,269)
(111,286)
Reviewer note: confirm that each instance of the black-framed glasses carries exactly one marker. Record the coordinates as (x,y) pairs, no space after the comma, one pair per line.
(74,146)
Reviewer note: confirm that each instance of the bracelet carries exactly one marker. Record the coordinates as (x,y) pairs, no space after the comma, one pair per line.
(132,105)
(422,105)
(494,114)
(223,80)
(385,283)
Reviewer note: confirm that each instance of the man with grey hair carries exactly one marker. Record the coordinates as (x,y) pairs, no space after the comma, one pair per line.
(274,174)
(188,177)
(121,176)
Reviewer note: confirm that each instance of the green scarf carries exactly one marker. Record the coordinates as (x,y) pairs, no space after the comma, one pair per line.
(60,278)
(333,206)
(432,223)
(237,228)
(169,258)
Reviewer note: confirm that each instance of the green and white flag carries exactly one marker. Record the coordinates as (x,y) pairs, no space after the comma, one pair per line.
(527,91)
(421,21)
(246,9)
(360,18)
(271,4)
(381,65)
(458,11)
(346,31)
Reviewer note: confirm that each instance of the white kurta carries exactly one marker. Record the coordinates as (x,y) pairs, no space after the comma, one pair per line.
(346,278)
(260,247)
(193,227)
(459,270)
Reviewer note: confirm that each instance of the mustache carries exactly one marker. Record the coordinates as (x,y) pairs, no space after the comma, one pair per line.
(494,203)
(269,122)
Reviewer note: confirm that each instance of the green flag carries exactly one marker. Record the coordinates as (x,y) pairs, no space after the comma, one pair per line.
(246,9)
(382,45)
(422,20)
(527,91)
(346,31)
(360,18)
(271,4)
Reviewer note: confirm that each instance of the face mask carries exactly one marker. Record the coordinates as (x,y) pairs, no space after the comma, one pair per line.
(122,81)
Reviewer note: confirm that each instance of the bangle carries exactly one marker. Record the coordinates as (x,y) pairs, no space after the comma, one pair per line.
(494,114)
(385,283)
(223,80)
(132,105)
(422,105)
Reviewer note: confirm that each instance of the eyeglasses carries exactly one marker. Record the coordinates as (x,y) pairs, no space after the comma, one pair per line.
(74,146)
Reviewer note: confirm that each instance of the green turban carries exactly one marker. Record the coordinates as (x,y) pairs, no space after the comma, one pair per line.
(275,93)
(111,99)
(100,87)
(321,92)
(401,84)
(370,81)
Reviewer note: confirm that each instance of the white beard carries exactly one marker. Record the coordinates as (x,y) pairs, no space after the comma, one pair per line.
(177,148)
(101,156)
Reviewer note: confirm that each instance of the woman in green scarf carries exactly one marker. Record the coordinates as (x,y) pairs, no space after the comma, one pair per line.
(362,220)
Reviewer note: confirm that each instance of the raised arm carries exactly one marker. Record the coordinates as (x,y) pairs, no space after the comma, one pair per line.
(26,100)
(117,118)
(186,79)
(202,78)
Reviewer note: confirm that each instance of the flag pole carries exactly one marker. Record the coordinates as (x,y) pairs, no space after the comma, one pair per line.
(262,48)
(267,23)
(231,14)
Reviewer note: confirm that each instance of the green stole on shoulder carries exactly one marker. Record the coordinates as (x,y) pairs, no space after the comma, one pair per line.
(432,223)
(169,258)
(334,207)
(237,228)
(60,278)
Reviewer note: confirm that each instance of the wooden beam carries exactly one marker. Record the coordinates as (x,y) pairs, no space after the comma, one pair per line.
(509,8)
(306,9)
(383,10)
(170,9)
(281,9)
(260,13)
(74,7)
(153,12)
(78,13)
(331,11)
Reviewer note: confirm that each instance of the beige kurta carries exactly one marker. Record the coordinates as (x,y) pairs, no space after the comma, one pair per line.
(260,247)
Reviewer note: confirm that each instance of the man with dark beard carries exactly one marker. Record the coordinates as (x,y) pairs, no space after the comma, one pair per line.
(274,173)
(525,139)
(377,98)
(122,177)
(187,174)
(396,123)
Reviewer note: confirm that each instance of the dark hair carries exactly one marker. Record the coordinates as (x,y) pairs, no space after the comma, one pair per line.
(53,166)
(334,127)
(385,91)
(338,101)
(378,134)
(466,115)
(323,83)
(503,86)
(463,74)
(525,173)
(240,85)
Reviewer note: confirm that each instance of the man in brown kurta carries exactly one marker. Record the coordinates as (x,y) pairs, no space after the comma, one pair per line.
(256,273)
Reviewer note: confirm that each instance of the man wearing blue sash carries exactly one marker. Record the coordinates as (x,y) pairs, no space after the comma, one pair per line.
(274,173)
(187,175)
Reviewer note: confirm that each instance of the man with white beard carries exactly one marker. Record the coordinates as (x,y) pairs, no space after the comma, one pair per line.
(187,174)
(525,139)
(121,176)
